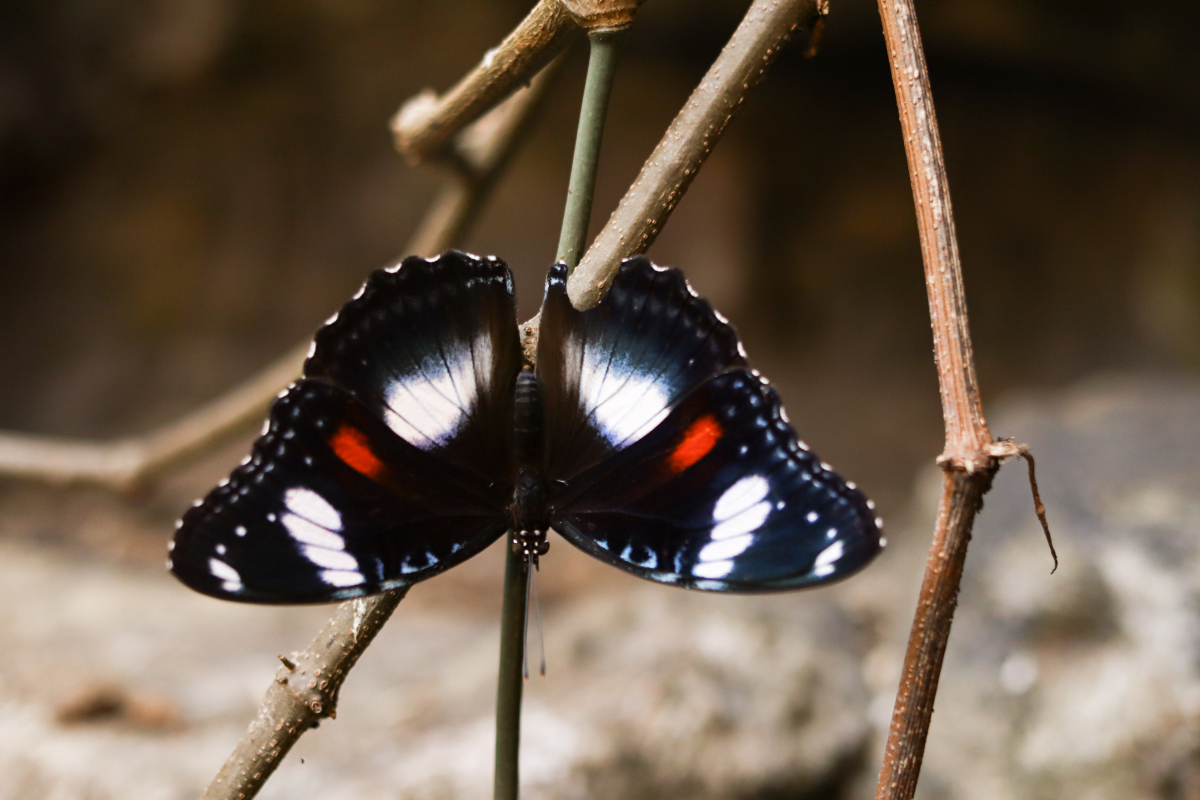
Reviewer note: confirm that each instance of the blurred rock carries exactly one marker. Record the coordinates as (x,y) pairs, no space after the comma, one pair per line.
(652,692)
(1084,685)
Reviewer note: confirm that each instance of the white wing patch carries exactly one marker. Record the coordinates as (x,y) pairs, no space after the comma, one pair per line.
(331,559)
(427,407)
(747,492)
(314,524)
(625,404)
(725,548)
(335,577)
(314,508)
(741,510)
(828,558)
(231,581)
(310,533)
(712,569)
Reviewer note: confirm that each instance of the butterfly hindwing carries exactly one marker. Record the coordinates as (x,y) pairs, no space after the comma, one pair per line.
(611,373)
(720,496)
(389,462)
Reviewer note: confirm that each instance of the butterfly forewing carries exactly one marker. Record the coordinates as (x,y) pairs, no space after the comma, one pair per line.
(720,496)
(389,463)
(613,372)
(432,347)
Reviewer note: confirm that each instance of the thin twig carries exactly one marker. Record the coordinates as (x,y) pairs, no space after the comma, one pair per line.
(126,462)
(304,692)
(426,123)
(967,459)
(602,60)
(511,683)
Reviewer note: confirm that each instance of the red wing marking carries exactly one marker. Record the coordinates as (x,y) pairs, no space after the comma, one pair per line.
(351,446)
(698,439)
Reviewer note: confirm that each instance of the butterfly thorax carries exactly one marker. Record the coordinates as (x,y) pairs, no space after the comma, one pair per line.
(528,510)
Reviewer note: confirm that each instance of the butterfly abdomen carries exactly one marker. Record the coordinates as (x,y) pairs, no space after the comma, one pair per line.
(528,510)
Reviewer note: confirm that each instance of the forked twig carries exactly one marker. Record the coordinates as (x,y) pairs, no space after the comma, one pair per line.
(970,458)
(126,462)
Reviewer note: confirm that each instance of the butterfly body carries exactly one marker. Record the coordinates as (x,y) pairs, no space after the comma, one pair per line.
(528,519)
(417,437)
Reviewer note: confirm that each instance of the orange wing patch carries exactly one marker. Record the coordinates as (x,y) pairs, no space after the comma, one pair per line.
(700,437)
(351,446)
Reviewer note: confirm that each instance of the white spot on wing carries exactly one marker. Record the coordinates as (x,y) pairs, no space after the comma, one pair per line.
(336,577)
(726,548)
(712,569)
(231,580)
(310,505)
(330,559)
(309,533)
(745,522)
(747,492)
(828,557)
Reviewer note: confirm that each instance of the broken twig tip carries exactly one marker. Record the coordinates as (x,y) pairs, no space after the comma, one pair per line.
(1005,448)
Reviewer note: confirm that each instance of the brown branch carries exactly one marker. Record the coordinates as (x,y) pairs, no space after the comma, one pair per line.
(968,460)
(426,123)
(304,692)
(684,148)
(121,464)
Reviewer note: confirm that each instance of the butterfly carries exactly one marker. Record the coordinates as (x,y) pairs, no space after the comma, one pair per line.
(416,438)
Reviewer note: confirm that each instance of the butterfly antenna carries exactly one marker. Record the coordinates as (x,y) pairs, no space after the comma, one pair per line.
(537,612)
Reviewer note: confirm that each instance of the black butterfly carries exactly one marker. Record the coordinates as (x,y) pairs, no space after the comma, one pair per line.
(415,439)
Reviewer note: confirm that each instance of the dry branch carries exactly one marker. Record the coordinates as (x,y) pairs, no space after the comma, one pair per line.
(968,459)
(304,692)
(426,123)
(122,464)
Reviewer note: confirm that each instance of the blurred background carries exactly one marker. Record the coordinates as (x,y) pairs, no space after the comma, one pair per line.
(189,187)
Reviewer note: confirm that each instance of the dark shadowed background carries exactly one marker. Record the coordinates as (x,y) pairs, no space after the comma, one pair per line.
(189,187)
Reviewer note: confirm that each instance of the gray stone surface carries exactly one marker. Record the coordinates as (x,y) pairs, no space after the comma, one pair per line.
(1084,685)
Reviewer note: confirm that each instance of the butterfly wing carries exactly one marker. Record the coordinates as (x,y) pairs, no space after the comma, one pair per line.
(432,347)
(721,496)
(364,478)
(668,458)
(613,372)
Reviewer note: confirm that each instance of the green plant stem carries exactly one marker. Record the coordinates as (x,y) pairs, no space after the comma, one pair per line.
(508,695)
(596,91)
(602,62)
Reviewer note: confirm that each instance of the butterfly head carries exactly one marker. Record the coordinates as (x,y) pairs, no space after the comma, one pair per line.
(531,545)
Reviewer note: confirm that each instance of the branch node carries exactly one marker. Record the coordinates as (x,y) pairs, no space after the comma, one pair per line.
(287,662)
